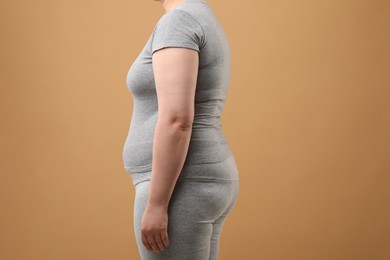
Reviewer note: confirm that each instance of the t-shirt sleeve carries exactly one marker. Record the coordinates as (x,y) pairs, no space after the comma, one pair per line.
(177,29)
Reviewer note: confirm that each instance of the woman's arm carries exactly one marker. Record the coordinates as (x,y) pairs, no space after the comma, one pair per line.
(175,72)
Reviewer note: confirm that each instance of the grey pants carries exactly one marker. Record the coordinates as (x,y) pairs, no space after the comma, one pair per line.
(197,210)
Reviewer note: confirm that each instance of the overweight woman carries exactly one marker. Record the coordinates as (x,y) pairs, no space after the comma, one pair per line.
(184,173)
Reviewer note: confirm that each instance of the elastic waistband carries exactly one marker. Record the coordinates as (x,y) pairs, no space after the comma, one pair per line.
(225,170)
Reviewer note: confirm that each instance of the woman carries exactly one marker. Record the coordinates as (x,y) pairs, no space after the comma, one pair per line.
(185,175)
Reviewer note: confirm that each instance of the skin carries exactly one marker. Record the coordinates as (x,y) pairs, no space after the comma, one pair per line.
(175,71)
(169,4)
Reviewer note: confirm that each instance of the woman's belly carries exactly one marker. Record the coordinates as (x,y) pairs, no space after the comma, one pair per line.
(207,145)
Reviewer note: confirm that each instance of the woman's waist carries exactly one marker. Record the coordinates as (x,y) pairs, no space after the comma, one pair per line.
(140,136)
(225,170)
(138,157)
(202,122)
(207,133)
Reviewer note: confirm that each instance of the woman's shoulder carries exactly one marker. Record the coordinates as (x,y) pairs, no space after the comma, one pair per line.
(177,16)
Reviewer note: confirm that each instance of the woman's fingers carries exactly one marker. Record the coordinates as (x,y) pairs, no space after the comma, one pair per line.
(156,243)
(152,243)
(164,237)
(146,242)
(159,242)
(154,229)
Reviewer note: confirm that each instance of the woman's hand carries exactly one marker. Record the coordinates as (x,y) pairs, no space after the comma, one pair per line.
(154,228)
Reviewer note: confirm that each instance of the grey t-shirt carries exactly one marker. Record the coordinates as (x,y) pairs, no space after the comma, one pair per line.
(190,24)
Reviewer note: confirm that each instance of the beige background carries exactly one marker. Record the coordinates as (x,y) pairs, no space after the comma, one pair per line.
(307,117)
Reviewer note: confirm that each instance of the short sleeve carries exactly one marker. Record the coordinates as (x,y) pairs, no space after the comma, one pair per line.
(177,29)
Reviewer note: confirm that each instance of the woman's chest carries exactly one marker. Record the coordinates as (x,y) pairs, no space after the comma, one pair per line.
(140,78)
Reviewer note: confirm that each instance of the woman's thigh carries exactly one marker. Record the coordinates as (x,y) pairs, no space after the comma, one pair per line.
(193,209)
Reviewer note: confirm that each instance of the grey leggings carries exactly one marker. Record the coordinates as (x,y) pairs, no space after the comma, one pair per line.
(197,210)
